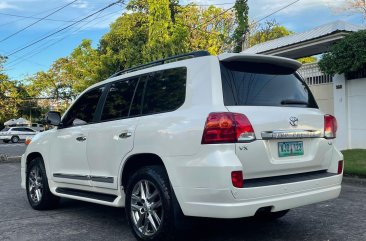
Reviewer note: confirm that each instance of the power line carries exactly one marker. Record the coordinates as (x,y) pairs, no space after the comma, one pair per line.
(37,51)
(34,23)
(30,17)
(288,5)
(62,29)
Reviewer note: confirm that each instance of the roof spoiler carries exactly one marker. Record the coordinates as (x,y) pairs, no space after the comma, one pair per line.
(261,58)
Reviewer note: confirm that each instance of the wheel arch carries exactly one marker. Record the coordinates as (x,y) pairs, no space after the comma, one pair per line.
(137,161)
(31,156)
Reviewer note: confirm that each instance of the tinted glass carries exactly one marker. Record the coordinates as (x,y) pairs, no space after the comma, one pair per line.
(165,91)
(256,84)
(82,112)
(119,99)
(28,130)
(5,129)
(137,99)
(17,129)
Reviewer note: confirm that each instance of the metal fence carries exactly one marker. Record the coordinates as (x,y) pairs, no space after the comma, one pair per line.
(313,76)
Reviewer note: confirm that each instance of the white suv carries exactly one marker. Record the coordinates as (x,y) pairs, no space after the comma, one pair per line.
(223,136)
(15,134)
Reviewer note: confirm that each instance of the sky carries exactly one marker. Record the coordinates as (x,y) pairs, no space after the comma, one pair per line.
(16,15)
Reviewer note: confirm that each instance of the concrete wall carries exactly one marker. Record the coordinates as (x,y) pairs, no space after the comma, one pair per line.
(341,111)
(324,97)
(356,93)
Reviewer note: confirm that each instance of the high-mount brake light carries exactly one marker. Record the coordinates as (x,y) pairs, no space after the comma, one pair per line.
(227,127)
(330,127)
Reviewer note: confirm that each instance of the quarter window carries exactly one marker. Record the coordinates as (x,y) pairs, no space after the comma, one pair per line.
(165,91)
(119,99)
(83,111)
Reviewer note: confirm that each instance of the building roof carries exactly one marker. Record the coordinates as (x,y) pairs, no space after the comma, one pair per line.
(325,30)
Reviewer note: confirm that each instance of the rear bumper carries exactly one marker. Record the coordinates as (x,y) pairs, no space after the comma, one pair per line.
(244,202)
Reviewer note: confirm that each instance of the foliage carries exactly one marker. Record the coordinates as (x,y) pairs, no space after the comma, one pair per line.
(10,96)
(268,31)
(242,28)
(355,162)
(150,30)
(348,55)
(307,60)
(357,6)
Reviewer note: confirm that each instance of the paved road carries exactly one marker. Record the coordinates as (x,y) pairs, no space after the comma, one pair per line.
(340,219)
(12,150)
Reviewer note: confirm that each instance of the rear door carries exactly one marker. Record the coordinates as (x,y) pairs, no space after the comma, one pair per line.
(287,122)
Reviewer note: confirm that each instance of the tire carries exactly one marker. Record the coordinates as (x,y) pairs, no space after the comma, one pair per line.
(14,139)
(143,213)
(38,191)
(270,216)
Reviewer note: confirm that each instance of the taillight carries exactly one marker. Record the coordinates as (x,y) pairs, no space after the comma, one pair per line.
(340,167)
(237,179)
(330,127)
(226,127)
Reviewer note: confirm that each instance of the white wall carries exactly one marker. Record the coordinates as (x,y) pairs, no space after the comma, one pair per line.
(323,95)
(341,111)
(356,92)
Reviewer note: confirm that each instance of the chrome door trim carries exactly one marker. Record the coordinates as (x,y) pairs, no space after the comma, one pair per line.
(291,134)
(85,177)
(102,179)
(71,176)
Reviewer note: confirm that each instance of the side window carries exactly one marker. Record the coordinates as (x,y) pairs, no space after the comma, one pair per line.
(34,125)
(137,99)
(16,129)
(82,112)
(165,91)
(119,99)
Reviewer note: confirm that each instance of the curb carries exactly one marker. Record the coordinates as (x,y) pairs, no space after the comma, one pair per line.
(6,159)
(354,180)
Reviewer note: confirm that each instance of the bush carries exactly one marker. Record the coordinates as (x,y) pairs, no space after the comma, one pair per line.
(348,55)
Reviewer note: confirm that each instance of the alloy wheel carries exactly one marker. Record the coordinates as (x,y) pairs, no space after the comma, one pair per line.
(146,208)
(35,185)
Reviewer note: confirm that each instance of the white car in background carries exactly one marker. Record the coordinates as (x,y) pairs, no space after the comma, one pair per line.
(15,134)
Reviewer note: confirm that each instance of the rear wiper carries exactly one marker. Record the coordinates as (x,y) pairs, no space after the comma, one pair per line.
(294,102)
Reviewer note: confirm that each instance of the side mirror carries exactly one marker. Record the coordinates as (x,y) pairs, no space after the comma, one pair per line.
(53,118)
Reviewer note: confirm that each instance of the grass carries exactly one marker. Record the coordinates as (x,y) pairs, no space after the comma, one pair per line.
(355,162)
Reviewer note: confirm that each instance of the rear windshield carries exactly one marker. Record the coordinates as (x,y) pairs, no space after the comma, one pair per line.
(261,84)
(5,129)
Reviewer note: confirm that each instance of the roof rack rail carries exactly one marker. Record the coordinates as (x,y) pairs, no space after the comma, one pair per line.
(175,58)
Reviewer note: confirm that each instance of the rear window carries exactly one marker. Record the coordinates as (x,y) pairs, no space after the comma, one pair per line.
(5,129)
(261,84)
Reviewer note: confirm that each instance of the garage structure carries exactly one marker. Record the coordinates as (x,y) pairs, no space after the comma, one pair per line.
(343,96)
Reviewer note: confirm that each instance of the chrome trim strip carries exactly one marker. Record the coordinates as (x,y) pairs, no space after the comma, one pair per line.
(102,179)
(291,134)
(71,176)
(85,177)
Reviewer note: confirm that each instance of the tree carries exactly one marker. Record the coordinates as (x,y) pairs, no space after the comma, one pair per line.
(272,30)
(358,6)
(268,31)
(348,55)
(10,97)
(242,28)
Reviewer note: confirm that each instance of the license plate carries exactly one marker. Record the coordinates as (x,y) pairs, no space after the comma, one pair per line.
(293,148)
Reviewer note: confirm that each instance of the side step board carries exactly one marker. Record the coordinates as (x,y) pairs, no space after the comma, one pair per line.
(92,195)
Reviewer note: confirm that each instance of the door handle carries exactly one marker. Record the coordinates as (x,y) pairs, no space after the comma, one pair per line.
(81,138)
(125,134)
